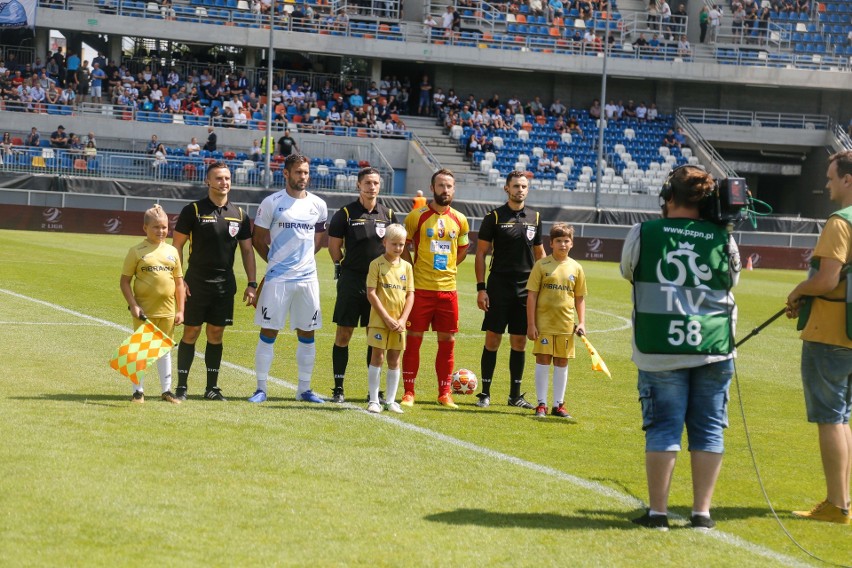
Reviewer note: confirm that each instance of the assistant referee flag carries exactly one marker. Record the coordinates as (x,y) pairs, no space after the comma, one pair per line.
(147,344)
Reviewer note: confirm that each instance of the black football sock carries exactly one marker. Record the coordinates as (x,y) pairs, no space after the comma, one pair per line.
(186,353)
(339,361)
(487,363)
(517,359)
(213,360)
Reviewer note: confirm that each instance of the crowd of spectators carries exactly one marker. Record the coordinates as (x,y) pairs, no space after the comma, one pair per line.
(232,98)
(487,118)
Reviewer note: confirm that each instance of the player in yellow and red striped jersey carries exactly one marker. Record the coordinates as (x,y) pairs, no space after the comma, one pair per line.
(438,235)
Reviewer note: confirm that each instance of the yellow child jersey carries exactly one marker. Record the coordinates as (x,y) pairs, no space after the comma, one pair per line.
(557,284)
(827,322)
(153,269)
(437,239)
(392,282)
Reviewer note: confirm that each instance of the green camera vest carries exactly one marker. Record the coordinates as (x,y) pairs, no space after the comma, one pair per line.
(681,288)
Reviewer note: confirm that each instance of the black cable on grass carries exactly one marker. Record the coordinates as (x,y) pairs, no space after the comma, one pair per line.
(760,479)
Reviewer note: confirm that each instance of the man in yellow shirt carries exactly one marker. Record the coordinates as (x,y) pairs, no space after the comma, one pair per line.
(827,346)
(438,234)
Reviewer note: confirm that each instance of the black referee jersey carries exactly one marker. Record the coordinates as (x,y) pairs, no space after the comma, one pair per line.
(214,233)
(362,232)
(512,235)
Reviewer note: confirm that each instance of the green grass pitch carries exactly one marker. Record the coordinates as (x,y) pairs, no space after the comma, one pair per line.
(88,479)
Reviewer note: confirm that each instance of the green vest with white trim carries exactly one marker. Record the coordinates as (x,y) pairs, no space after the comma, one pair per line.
(681,288)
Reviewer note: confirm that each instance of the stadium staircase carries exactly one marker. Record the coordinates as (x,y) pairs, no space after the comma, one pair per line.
(444,149)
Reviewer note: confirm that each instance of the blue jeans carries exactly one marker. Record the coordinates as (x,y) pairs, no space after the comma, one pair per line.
(695,397)
(827,380)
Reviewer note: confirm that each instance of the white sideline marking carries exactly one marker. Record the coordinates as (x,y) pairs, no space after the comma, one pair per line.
(93,324)
(612,494)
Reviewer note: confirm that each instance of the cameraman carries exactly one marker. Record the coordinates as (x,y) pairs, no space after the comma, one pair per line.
(682,269)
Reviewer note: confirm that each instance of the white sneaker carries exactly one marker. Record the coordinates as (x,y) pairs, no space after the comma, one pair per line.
(393,407)
(374,407)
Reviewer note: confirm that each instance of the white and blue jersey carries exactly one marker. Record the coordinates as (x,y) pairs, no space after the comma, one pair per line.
(292,224)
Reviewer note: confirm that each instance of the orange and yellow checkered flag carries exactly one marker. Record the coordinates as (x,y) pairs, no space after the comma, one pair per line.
(147,344)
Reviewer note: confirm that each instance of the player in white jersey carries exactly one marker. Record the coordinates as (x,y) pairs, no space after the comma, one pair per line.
(287,233)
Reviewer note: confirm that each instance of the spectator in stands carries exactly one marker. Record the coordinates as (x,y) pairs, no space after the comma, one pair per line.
(669,140)
(559,126)
(58,139)
(159,157)
(228,117)
(652,17)
(750,25)
(611,110)
(6,145)
(68,96)
(849,38)
(52,95)
(37,97)
(536,7)
(665,13)
(74,143)
(683,47)
(680,137)
(356,99)
(641,112)
(652,112)
(71,65)
(193,148)
(51,68)
(90,151)
(679,19)
(83,77)
(210,145)
(763,22)
(403,98)
(34,138)
(438,100)
(555,9)
(715,19)
(423,106)
(255,153)
(152,145)
(574,125)
(557,108)
(545,165)
(738,21)
(450,21)
(90,137)
(287,144)
(535,107)
(595,109)
(98,78)
(174,104)
(803,6)
(629,110)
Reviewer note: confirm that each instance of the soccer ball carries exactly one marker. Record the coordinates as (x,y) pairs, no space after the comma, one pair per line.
(464,382)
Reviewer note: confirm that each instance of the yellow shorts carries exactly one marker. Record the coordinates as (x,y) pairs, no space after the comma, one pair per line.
(382,338)
(166,325)
(561,346)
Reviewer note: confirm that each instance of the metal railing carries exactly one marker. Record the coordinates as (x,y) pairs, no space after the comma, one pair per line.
(841,135)
(718,165)
(756,119)
(328,174)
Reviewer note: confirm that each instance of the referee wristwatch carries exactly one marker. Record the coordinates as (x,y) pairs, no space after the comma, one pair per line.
(252,285)
(480,286)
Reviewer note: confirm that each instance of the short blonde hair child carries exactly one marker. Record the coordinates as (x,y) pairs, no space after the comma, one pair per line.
(395,231)
(155,213)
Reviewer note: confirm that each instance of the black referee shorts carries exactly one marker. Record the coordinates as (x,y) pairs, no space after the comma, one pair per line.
(211,304)
(352,305)
(507,295)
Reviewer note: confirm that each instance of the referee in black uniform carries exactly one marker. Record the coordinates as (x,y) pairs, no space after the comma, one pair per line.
(214,227)
(354,241)
(513,234)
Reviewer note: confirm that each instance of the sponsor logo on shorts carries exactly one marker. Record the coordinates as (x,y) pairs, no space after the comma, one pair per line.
(378,336)
(264,314)
(544,341)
